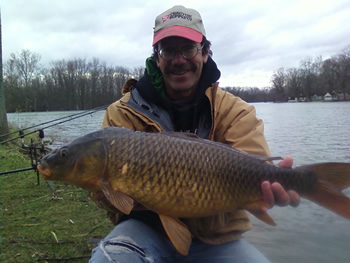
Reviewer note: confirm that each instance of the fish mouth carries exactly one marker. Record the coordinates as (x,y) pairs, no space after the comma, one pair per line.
(44,171)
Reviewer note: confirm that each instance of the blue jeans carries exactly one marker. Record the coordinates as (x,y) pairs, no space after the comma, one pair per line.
(134,241)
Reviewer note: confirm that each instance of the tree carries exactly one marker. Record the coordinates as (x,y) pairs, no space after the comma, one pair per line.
(310,70)
(279,85)
(95,71)
(328,76)
(293,83)
(22,80)
(26,64)
(343,61)
(3,116)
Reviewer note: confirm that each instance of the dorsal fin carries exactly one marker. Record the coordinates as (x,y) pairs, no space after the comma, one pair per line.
(182,135)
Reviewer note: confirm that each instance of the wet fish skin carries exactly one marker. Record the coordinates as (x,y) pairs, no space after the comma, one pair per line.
(172,174)
(181,176)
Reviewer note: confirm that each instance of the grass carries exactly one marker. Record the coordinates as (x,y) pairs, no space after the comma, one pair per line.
(38,225)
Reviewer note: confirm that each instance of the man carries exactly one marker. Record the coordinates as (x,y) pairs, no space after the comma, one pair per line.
(179,92)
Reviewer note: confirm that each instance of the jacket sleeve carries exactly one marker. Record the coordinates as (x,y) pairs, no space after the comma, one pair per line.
(237,125)
(115,116)
(120,114)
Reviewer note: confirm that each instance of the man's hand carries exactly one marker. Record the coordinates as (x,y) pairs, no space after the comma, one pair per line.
(274,194)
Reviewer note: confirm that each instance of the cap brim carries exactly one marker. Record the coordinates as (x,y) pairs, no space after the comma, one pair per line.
(178,31)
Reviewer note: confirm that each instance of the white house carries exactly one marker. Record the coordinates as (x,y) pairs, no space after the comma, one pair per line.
(328,96)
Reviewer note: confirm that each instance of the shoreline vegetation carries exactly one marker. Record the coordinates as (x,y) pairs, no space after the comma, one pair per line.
(81,83)
(41,225)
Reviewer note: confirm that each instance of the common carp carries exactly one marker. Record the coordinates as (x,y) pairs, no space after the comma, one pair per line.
(178,175)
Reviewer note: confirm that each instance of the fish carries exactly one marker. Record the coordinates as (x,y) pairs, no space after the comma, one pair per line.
(179,175)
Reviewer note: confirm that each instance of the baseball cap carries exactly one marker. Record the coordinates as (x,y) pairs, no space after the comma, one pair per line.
(179,21)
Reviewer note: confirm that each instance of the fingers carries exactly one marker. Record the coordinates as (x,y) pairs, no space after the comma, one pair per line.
(286,162)
(281,196)
(290,197)
(294,198)
(267,193)
(275,194)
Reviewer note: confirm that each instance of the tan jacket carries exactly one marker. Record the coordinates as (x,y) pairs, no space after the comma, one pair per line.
(234,123)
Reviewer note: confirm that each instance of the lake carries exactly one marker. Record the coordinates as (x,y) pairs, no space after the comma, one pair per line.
(310,133)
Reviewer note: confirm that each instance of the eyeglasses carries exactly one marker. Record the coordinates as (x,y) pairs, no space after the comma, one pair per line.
(188,52)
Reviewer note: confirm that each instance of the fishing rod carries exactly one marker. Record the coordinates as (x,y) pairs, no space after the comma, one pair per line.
(33,149)
(49,126)
(65,117)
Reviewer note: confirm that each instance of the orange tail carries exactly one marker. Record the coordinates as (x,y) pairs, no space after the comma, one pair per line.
(332,179)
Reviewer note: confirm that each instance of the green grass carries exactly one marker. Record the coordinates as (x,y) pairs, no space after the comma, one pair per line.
(37,225)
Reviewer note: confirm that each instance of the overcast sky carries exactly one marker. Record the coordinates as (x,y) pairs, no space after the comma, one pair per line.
(250,38)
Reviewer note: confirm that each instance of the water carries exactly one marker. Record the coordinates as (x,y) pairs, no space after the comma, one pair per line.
(60,133)
(309,132)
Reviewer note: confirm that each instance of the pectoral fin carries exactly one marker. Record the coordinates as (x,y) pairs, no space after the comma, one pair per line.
(178,233)
(257,209)
(121,201)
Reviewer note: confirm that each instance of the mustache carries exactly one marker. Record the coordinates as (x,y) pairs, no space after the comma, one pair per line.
(180,68)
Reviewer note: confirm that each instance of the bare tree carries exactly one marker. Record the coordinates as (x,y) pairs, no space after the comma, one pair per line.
(293,85)
(279,84)
(22,79)
(95,71)
(343,61)
(310,70)
(329,77)
(26,66)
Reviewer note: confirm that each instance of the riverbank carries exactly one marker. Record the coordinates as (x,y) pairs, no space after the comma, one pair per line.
(37,224)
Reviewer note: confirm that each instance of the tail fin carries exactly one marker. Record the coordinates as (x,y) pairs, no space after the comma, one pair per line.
(332,179)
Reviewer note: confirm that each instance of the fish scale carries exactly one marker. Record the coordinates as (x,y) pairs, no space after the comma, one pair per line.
(170,166)
(180,173)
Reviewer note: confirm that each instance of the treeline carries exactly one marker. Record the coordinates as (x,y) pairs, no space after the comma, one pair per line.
(79,84)
(313,79)
(253,94)
(75,84)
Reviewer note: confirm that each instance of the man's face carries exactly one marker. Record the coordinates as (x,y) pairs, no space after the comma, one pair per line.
(181,75)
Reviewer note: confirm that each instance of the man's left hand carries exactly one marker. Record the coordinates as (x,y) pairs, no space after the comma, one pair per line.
(275,194)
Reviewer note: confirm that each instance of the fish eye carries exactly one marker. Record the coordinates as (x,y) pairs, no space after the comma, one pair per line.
(64,152)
